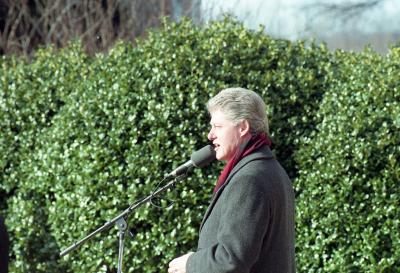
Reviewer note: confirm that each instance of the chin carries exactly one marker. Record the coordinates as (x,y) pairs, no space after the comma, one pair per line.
(219,157)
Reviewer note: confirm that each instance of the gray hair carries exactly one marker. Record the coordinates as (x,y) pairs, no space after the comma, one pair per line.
(241,104)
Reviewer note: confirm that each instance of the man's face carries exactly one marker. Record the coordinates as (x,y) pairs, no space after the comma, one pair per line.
(225,136)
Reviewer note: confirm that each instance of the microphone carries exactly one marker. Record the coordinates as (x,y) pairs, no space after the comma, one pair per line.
(199,159)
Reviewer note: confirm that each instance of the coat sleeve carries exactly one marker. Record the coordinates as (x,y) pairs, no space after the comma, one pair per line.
(244,221)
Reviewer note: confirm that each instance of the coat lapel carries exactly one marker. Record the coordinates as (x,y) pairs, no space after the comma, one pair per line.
(264,153)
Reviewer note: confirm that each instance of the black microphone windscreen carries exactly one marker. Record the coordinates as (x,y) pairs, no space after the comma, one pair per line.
(203,156)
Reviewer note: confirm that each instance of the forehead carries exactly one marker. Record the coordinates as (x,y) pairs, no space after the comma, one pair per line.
(218,116)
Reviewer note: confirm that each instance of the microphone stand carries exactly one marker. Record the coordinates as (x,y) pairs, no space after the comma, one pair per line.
(122,225)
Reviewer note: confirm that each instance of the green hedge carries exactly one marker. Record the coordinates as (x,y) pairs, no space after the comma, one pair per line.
(349,195)
(85,137)
(31,95)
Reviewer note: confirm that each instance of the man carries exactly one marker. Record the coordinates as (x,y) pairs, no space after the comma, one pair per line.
(249,224)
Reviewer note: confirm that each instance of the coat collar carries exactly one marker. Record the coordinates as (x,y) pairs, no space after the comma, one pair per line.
(262,153)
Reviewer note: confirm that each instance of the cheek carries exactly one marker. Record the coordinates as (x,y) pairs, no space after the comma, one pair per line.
(230,142)
(234,138)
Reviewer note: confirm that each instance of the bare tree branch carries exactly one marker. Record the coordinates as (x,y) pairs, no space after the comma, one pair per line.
(25,25)
(344,11)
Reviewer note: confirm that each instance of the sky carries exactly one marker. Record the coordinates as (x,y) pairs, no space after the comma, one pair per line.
(293,19)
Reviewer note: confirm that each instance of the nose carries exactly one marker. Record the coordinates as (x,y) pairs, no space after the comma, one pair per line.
(211,135)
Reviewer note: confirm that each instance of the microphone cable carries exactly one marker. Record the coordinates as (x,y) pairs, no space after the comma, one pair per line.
(158,186)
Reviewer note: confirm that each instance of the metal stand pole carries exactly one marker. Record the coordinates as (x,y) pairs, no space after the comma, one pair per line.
(120,220)
(122,226)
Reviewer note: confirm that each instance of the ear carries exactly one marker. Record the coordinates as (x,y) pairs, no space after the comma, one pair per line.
(244,128)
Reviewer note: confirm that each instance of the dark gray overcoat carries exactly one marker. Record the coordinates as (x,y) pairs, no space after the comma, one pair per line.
(249,225)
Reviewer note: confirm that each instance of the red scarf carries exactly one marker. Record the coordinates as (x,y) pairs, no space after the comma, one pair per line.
(243,150)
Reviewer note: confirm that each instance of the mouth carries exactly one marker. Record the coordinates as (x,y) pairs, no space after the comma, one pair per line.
(216,146)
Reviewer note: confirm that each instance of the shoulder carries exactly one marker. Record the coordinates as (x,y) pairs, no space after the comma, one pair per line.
(259,172)
(259,165)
